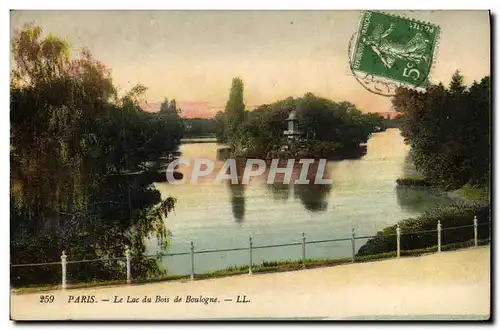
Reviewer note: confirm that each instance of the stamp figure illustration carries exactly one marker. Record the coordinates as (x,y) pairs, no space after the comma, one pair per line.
(397,49)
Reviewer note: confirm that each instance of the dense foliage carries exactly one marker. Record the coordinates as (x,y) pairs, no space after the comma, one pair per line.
(413,235)
(220,127)
(449,131)
(324,123)
(78,179)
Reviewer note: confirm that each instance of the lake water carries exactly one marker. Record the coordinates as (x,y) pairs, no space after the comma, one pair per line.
(363,196)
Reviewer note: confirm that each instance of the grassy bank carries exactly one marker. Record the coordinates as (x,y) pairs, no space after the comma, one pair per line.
(470,193)
(263,268)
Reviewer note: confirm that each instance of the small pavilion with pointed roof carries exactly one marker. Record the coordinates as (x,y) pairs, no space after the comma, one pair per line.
(292,133)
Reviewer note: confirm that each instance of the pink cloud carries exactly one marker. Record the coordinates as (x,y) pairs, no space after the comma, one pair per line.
(150,107)
(189,109)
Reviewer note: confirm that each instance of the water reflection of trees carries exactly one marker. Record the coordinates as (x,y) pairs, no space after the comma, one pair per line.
(420,199)
(313,196)
(237,192)
(237,201)
(279,191)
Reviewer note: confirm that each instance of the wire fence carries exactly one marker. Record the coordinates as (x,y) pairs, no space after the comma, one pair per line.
(403,241)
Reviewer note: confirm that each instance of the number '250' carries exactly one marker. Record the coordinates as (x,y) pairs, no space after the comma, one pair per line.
(44,299)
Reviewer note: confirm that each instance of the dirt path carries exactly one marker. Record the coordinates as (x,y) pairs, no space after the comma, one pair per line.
(434,286)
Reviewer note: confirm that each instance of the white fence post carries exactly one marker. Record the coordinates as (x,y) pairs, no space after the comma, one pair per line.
(398,240)
(127,256)
(475,231)
(303,250)
(192,261)
(250,243)
(64,259)
(353,235)
(439,235)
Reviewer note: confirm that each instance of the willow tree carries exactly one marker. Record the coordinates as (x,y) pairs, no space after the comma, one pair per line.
(74,144)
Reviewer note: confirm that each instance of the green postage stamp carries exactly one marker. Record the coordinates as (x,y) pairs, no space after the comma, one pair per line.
(395,49)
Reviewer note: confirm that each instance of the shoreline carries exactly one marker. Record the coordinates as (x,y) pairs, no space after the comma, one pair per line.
(264,268)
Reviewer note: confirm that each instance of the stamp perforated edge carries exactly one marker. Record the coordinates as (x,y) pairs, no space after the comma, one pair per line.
(400,16)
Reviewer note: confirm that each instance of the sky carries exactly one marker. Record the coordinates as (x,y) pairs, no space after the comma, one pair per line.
(192,56)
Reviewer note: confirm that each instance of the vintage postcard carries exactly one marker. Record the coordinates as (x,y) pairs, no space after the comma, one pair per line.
(250,165)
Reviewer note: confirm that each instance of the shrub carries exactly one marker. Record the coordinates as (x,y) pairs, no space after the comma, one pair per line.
(421,232)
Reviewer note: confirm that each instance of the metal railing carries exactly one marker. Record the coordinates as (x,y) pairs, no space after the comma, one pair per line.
(127,258)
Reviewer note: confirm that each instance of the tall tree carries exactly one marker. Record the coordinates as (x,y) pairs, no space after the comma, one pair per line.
(170,115)
(235,113)
(457,86)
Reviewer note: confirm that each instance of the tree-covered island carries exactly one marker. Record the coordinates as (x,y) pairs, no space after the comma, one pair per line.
(325,128)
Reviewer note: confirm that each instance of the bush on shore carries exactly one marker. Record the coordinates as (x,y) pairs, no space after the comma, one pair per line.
(414,182)
(414,237)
